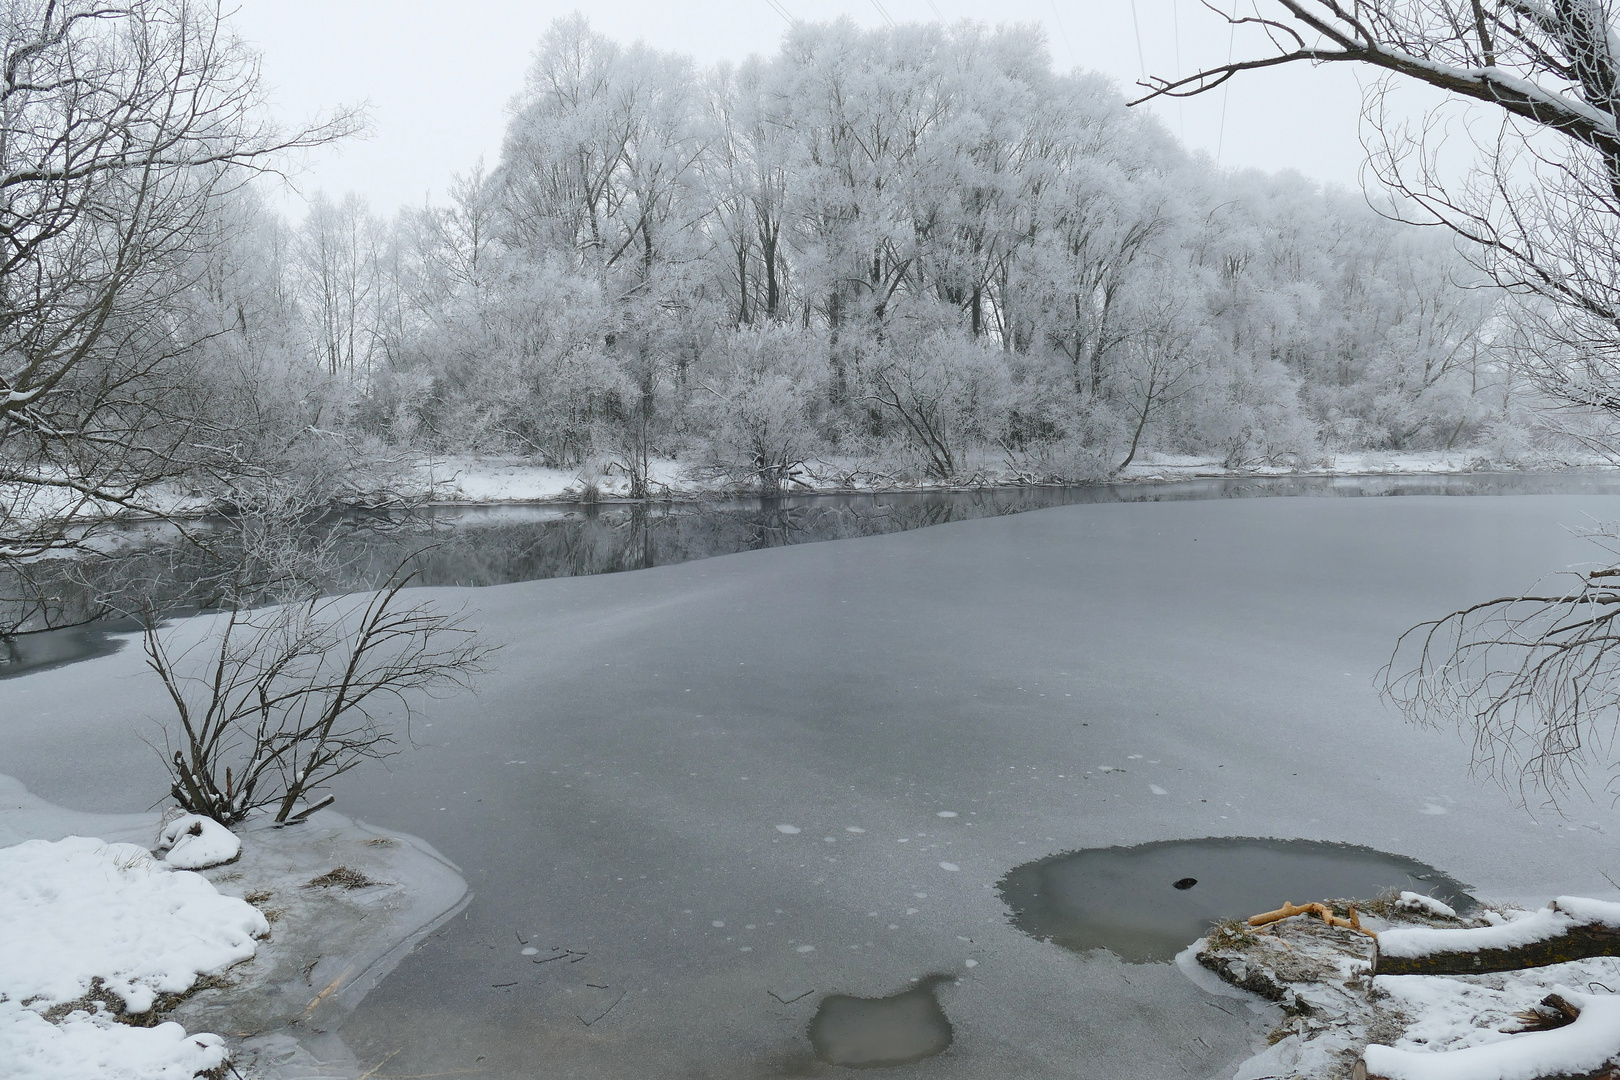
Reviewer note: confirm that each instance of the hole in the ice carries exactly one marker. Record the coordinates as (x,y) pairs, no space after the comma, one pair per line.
(867,1033)
(1115,899)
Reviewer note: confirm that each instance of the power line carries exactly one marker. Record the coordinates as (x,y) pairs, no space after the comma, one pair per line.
(1141,61)
(881,10)
(776,6)
(935,9)
(1058,18)
(1226,92)
(1181,106)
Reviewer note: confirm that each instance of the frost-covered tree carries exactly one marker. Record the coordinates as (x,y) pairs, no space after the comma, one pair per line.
(588,295)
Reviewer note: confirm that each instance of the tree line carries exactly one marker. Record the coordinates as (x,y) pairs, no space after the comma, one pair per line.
(917,251)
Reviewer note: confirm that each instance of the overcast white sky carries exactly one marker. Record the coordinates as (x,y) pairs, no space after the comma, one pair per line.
(438,74)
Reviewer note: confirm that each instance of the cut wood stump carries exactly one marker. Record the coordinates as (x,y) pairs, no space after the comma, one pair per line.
(1569,928)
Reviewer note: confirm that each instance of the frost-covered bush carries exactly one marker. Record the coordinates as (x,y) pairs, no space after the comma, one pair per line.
(759,405)
(525,368)
(942,393)
(1051,432)
(1247,414)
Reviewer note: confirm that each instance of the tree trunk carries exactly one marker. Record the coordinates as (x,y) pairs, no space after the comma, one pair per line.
(1564,936)
(1577,943)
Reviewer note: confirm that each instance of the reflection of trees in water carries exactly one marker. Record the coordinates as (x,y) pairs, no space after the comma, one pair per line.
(461,551)
(468,551)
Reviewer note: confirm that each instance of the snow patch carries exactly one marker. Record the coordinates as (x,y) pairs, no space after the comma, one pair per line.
(95,1045)
(76,909)
(194,842)
(1416,901)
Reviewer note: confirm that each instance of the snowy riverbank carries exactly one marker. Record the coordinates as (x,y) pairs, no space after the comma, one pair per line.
(1336,1008)
(256,957)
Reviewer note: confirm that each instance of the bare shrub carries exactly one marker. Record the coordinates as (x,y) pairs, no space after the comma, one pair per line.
(273,703)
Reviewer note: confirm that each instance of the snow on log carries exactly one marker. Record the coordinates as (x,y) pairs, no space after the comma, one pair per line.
(1587,1049)
(1569,928)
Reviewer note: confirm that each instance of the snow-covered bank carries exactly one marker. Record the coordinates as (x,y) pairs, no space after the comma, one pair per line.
(304,922)
(497,479)
(1413,1027)
(91,932)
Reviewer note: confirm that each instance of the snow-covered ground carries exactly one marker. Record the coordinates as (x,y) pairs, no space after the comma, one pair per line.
(90,930)
(93,928)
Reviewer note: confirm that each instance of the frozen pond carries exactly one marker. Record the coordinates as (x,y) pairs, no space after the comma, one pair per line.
(735,788)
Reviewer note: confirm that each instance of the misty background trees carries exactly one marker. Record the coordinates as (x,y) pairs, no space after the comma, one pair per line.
(916,250)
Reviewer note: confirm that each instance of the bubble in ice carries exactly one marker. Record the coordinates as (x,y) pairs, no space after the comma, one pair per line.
(788,830)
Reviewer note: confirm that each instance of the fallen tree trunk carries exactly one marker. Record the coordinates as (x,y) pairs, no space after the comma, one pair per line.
(1587,1049)
(1569,928)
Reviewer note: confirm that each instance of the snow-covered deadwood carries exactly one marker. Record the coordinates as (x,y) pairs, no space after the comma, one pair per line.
(1569,928)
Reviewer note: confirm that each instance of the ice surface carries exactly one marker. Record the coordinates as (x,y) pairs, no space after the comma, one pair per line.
(879,684)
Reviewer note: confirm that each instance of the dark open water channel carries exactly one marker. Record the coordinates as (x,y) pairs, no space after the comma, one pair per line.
(481,545)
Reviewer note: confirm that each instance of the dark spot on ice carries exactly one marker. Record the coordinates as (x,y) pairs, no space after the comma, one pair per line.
(868,1033)
(1114,898)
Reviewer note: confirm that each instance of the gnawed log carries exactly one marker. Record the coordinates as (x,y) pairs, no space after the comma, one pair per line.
(1569,928)
(1321,911)
(1587,1049)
